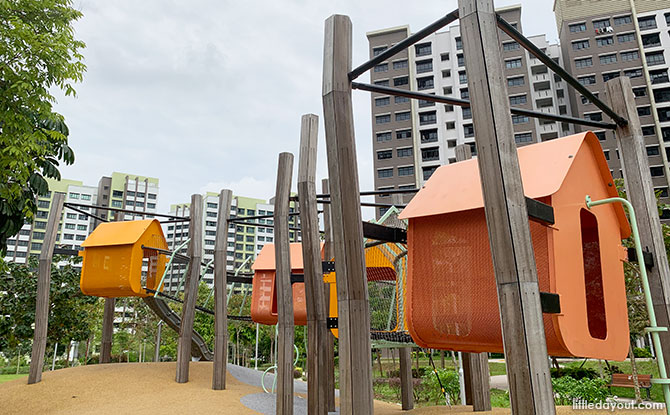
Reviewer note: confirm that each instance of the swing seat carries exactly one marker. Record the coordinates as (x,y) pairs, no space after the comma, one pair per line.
(119,261)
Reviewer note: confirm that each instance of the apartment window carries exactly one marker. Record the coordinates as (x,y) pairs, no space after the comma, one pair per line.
(139,204)
(469,130)
(465,94)
(425,83)
(35,246)
(402,134)
(648,130)
(378,50)
(427,118)
(81,227)
(459,43)
(405,152)
(583,62)
(633,73)
(38,235)
(400,64)
(430,154)
(451,125)
(384,173)
(462,77)
(655,58)
(560,93)
(580,44)
(117,193)
(625,37)
(424,66)
(382,82)
(446,73)
(516,81)
(664,114)
(424,103)
(519,119)
(658,76)
(151,205)
(212,205)
(640,92)
(401,100)
(607,59)
(662,95)
(577,27)
(381,137)
(523,138)
(611,75)
(449,108)
(661,191)
(647,22)
(642,111)
(151,196)
(423,49)
(601,135)
(43,214)
(383,119)
(130,193)
(594,116)
(402,116)
(507,46)
(117,203)
(400,81)
(665,133)
(444,57)
(380,102)
(384,154)
(382,67)
(69,226)
(630,56)
(460,58)
(467,113)
(653,151)
(618,21)
(667,19)
(650,40)
(74,195)
(601,24)
(656,171)
(428,171)
(513,63)
(84,196)
(406,171)
(428,136)
(605,41)
(69,236)
(518,100)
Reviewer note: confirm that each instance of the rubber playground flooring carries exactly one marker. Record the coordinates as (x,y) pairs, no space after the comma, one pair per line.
(149,388)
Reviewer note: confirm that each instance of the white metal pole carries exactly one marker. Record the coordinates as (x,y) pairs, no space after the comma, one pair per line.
(461,378)
(53,362)
(256,357)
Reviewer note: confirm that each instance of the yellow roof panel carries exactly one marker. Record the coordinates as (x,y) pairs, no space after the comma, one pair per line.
(118,233)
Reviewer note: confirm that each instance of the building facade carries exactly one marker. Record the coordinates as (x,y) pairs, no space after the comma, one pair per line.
(411,139)
(602,40)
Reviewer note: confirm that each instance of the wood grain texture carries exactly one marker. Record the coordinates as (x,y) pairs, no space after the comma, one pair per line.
(463,152)
(220,290)
(317,330)
(406,381)
(107,330)
(352,295)
(640,192)
(42,305)
(506,214)
(330,339)
(190,289)
(285,322)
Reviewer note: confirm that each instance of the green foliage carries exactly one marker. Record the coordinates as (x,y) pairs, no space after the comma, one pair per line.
(641,352)
(499,398)
(429,389)
(574,372)
(38,53)
(567,389)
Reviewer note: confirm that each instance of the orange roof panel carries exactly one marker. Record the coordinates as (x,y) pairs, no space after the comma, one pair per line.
(265,259)
(118,233)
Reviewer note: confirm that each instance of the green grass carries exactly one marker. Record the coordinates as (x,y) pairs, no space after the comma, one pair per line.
(7,378)
(499,398)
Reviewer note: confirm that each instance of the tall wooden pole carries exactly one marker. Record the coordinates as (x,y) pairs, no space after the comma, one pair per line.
(317,329)
(352,289)
(640,192)
(506,214)
(476,373)
(220,291)
(190,290)
(43,288)
(107,334)
(329,254)
(285,319)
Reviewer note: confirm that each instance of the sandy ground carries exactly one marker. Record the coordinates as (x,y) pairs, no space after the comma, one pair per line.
(149,388)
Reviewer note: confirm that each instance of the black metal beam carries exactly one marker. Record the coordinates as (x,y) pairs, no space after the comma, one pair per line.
(66,251)
(540,212)
(556,68)
(648,257)
(83,212)
(367,204)
(465,103)
(404,44)
(376,192)
(384,233)
(161,215)
(240,280)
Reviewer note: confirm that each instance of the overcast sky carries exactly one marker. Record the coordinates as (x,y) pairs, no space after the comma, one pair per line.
(206,94)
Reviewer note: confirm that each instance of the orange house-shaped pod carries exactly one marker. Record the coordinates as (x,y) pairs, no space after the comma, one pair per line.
(115,254)
(451,290)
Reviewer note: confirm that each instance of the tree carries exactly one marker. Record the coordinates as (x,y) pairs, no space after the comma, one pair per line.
(38,53)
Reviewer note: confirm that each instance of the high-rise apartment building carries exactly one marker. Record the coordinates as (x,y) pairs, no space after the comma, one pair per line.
(412,139)
(128,191)
(243,243)
(605,39)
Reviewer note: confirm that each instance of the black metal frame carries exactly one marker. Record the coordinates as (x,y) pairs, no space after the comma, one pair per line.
(514,34)
(160,215)
(83,212)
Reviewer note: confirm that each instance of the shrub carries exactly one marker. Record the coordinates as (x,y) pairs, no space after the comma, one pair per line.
(567,389)
(641,352)
(613,369)
(297,372)
(574,372)
(415,373)
(429,389)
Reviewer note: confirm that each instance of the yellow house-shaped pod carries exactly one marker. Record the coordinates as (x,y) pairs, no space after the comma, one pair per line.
(115,254)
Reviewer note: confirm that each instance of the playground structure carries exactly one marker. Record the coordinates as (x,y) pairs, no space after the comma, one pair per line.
(508,198)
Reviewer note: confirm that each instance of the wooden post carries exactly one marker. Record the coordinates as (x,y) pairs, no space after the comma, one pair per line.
(406,381)
(220,290)
(157,348)
(506,214)
(317,329)
(329,254)
(476,373)
(42,305)
(285,319)
(352,289)
(640,192)
(190,289)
